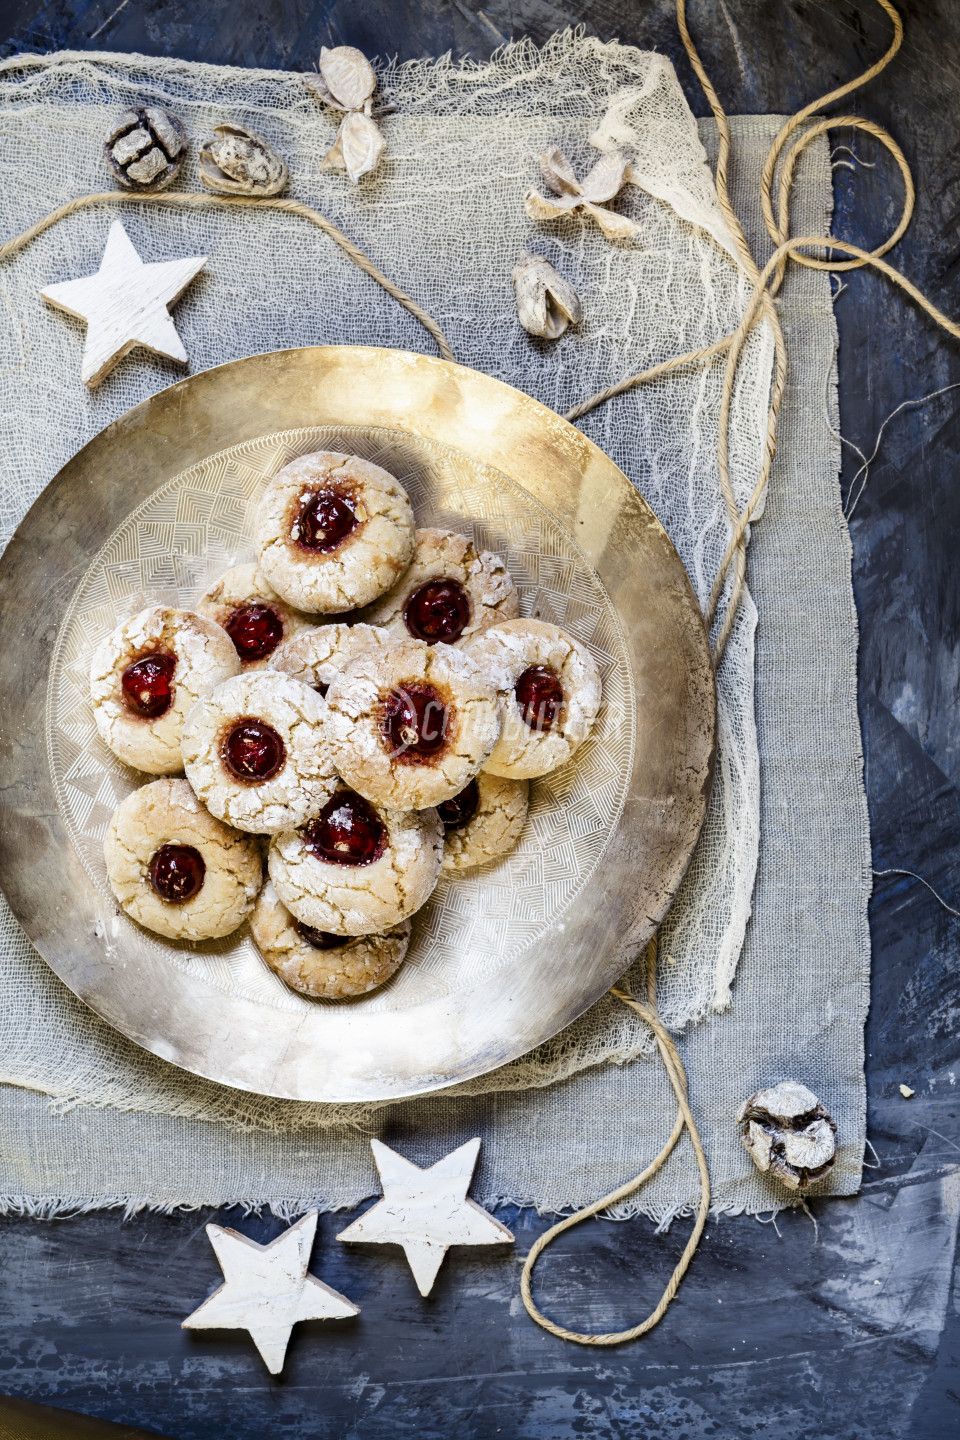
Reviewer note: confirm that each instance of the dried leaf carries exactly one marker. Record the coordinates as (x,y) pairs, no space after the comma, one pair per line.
(357,148)
(348,75)
(558,173)
(606,177)
(546,302)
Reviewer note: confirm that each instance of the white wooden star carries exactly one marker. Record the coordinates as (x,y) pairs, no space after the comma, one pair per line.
(127,303)
(267,1289)
(426,1211)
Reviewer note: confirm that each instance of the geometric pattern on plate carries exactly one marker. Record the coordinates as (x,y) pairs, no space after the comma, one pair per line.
(200,522)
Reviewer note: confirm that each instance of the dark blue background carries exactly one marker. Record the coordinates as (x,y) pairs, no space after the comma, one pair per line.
(772,1335)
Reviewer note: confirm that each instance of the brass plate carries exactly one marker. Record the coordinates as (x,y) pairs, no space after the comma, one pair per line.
(503,958)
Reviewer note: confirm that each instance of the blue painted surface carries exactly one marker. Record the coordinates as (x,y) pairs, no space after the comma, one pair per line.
(773,1335)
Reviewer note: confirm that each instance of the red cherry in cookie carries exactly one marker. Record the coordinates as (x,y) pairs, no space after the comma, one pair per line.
(176,873)
(255,630)
(252,750)
(460,810)
(320,939)
(348,831)
(438,610)
(324,521)
(540,697)
(147,685)
(414,722)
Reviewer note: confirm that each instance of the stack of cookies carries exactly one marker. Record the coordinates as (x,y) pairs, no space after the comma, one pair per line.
(363,703)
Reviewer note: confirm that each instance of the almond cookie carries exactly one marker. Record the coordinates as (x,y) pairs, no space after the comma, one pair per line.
(317,657)
(175,869)
(254,752)
(451,592)
(549,688)
(333,532)
(484,821)
(252,613)
(410,725)
(357,869)
(318,964)
(148,674)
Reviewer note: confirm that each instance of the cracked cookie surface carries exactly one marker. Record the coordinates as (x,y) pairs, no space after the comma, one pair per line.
(163,816)
(243,602)
(549,689)
(333,532)
(411,724)
(480,592)
(199,655)
(321,965)
(317,657)
(484,822)
(255,753)
(358,898)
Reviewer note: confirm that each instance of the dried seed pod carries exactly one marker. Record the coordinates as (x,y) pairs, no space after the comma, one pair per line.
(546,303)
(789,1134)
(570,195)
(237,161)
(145,148)
(347,76)
(357,148)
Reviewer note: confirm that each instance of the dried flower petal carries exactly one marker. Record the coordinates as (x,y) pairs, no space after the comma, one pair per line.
(317,85)
(601,184)
(614,226)
(348,75)
(606,177)
(237,161)
(546,302)
(549,207)
(357,148)
(558,173)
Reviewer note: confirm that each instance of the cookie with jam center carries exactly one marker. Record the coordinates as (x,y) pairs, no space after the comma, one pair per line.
(255,752)
(319,964)
(258,622)
(451,592)
(411,724)
(333,532)
(148,674)
(357,868)
(484,822)
(177,870)
(549,689)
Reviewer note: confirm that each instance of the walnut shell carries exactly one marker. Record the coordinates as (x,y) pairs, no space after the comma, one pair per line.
(237,161)
(789,1134)
(145,148)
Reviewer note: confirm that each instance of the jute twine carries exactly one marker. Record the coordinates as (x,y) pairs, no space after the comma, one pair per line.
(732,572)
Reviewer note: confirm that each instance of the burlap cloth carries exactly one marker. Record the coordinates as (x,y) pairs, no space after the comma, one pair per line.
(88,1120)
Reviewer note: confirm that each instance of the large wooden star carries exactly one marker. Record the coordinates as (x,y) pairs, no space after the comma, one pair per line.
(127,303)
(267,1289)
(426,1211)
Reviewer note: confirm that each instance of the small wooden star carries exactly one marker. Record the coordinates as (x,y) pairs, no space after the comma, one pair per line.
(127,303)
(426,1211)
(267,1289)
